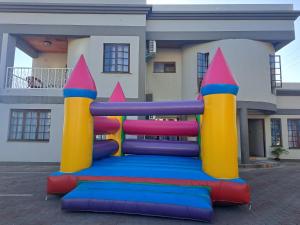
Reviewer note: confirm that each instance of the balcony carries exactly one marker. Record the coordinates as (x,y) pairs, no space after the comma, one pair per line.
(36,78)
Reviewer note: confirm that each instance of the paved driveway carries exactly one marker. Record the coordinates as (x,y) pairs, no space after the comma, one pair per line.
(275,196)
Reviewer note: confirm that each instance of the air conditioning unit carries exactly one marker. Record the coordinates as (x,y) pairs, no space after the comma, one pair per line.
(152,47)
(151,50)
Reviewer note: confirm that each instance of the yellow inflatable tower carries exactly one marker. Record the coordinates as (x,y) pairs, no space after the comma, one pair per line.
(219,142)
(77,142)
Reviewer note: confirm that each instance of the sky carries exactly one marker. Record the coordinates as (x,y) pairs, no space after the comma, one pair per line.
(290,54)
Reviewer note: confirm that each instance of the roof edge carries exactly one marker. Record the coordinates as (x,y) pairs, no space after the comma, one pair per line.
(79,8)
(288,92)
(75,8)
(225,15)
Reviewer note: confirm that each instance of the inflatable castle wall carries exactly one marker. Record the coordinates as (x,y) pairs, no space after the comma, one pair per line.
(132,168)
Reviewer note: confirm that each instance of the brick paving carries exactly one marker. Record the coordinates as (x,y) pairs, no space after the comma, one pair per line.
(275,197)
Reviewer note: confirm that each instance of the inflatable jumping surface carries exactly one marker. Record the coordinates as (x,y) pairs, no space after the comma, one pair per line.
(178,179)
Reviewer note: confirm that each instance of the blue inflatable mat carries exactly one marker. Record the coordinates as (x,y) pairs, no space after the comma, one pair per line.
(185,202)
(149,166)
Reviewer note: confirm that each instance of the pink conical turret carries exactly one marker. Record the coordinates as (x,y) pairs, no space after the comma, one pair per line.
(218,71)
(218,78)
(80,82)
(118,94)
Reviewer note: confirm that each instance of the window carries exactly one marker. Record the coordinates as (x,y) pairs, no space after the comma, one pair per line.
(275,71)
(116,58)
(294,133)
(202,65)
(276,132)
(29,125)
(164,67)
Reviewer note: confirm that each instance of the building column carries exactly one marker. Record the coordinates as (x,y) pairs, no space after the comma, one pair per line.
(142,66)
(244,135)
(7,56)
(1,37)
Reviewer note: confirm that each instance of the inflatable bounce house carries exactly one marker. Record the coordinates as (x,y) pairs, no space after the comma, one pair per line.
(178,179)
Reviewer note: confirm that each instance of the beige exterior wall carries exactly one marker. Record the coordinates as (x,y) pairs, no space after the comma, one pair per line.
(219,25)
(92,49)
(50,60)
(32,151)
(288,102)
(249,63)
(165,86)
(76,47)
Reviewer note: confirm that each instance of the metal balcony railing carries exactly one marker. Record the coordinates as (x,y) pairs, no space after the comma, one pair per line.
(27,77)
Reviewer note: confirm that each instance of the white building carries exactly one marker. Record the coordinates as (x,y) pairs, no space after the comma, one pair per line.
(156,52)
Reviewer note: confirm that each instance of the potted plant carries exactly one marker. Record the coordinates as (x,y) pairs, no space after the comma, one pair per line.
(278,151)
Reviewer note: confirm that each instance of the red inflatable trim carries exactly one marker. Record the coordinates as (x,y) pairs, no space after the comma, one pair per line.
(222,191)
(61,184)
